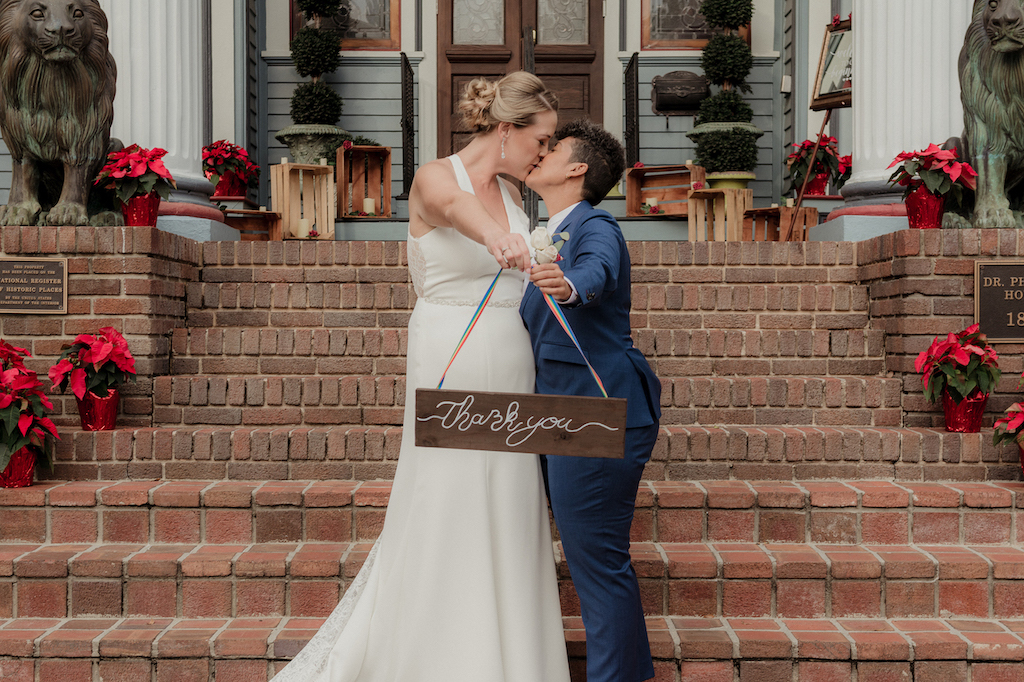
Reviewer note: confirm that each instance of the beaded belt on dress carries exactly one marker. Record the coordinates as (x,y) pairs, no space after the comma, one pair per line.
(509,303)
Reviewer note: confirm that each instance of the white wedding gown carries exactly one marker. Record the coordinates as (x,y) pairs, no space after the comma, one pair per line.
(460,586)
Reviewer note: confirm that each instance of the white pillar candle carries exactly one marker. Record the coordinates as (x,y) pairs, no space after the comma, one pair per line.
(368,206)
(284,159)
(652,202)
(303,231)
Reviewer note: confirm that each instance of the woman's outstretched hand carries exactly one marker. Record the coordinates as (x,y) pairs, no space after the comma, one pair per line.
(549,279)
(509,250)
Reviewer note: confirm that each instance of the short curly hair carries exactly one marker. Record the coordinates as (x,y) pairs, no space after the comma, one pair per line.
(603,154)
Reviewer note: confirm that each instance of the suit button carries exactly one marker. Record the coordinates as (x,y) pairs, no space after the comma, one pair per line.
(590,295)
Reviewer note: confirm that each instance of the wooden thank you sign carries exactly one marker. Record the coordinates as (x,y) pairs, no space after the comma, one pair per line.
(521,422)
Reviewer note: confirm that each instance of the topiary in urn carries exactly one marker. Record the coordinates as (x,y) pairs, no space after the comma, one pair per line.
(315,105)
(726,139)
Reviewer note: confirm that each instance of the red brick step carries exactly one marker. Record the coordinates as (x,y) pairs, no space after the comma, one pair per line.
(233,512)
(683,453)
(684,649)
(698,579)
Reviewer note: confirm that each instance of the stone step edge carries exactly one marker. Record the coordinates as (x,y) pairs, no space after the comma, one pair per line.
(726,494)
(877,444)
(895,642)
(698,560)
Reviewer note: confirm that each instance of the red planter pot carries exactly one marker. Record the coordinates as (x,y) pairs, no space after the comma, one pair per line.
(230,185)
(817,186)
(964,416)
(141,211)
(99,413)
(18,473)
(924,209)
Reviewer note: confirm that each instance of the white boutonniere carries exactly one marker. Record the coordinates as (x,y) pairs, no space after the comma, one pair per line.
(544,248)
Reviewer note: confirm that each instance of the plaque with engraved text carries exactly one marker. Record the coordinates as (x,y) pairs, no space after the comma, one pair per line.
(999,299)
(34,285)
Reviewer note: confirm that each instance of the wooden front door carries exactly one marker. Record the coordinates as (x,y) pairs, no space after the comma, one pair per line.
(485,38)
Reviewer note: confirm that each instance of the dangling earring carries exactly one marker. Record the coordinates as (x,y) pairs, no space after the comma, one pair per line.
(503,147)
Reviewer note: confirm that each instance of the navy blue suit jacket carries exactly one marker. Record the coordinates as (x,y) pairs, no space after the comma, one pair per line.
(595,259)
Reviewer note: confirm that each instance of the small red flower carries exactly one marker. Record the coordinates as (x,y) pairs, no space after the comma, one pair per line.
(346,145)
(698,185)
(638,164)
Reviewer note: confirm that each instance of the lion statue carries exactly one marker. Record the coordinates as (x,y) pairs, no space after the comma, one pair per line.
(57,82)
(991,71)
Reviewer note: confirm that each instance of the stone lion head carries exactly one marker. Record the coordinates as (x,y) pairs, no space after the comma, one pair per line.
(54,30)
(1004,23)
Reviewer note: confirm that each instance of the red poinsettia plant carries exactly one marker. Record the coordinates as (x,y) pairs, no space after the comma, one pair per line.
(23,405)
(94,364)
(939,170)
(1010,427)
(827,161)
(222,157)
(134,172)
(962,364)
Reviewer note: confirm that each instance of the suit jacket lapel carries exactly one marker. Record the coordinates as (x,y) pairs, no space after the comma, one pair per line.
(571,221)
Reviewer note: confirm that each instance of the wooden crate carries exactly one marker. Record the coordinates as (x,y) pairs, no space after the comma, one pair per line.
(306,191)
(670,185)
(254,226)
(772,224)
(716,215)
(364,173)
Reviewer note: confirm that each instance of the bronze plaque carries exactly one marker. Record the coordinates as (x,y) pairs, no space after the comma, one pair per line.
(34,285)
(999,299)
(521,422)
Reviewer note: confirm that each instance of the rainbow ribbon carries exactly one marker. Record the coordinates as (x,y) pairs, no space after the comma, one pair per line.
(555,310)
(472,323)
(560,316)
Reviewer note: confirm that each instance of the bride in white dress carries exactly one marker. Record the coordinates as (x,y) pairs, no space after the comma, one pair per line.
(460,586)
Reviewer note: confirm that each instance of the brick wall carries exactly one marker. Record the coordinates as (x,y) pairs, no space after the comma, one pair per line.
(131,278)
(740,333)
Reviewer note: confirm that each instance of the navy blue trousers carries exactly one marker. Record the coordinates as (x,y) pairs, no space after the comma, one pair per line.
(592,500)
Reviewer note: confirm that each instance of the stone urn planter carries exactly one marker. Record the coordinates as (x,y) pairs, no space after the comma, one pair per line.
(308,143)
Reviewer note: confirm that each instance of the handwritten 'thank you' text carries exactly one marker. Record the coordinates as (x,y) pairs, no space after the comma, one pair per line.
(460,416)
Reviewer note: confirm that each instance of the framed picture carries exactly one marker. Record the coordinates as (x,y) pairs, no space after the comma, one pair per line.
(833,86)
(361,24)
(676,25)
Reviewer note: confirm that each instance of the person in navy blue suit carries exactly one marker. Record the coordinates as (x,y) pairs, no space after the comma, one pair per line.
(592,499)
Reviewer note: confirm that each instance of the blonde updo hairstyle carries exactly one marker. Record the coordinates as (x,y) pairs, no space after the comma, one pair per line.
(515,99)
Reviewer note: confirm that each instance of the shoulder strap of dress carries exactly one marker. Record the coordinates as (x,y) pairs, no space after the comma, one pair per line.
(465,184)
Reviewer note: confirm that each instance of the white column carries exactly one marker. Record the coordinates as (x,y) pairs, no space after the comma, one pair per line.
(906,91)
(160,100)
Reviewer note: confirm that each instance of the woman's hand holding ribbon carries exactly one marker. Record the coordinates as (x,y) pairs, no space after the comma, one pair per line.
(509,250)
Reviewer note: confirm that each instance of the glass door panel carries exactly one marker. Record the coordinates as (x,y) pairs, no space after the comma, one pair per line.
(562,22)
(478,22)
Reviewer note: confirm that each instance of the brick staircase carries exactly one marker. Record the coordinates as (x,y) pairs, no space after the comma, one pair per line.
(804,515)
